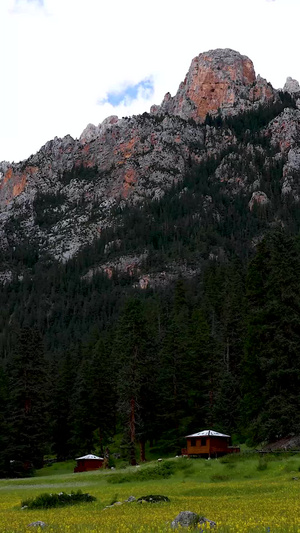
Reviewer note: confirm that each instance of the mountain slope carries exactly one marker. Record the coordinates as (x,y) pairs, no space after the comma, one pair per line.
(180,225)
(63,197)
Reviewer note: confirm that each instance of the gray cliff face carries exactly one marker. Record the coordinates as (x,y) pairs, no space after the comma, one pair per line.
(126,162)
(291,86)
(62,197)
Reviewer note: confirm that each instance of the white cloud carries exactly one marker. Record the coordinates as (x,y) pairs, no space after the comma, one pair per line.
(63,57)
(129,94)
(20,7)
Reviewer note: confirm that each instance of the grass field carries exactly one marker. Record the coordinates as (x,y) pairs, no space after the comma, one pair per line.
(249,494)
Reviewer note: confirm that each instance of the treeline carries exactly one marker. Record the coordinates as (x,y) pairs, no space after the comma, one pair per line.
(85,356)
(248,125)
(198,218)
(221,351)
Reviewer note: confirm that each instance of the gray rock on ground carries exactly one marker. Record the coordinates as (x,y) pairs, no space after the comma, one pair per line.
(190,519)
(131,499)
(38,523)
(203,520)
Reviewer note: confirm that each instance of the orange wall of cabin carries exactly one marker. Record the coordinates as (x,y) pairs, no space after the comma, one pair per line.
(213,445)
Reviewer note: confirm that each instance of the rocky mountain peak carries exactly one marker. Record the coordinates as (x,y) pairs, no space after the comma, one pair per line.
(220,79)
(64,196)
(291,86)
(91,132)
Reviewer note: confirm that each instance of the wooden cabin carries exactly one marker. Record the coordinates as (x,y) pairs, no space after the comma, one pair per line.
(208,443)
(88,462)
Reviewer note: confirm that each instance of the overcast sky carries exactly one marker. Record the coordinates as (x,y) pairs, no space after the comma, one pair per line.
(66,63)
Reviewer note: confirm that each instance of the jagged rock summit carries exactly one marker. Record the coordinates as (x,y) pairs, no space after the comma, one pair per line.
(291,86)
(64,196)
(218,80)
(91,131)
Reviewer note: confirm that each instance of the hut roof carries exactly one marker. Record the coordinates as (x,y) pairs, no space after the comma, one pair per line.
(208,433)
(89,456)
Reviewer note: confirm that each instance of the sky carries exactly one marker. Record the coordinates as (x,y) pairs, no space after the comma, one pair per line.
(67,63)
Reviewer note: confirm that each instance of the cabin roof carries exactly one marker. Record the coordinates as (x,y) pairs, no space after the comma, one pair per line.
(89,456)
(208,433)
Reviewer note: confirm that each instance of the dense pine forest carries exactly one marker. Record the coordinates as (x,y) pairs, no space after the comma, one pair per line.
(84,357)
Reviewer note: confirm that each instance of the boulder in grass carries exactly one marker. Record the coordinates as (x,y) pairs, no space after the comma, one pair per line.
(131,499)
(190,519)
(38,523)
(185,519)
(203,520)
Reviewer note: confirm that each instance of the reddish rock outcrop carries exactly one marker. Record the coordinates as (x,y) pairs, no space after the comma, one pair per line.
(259,198)
(218,80)
(14,183)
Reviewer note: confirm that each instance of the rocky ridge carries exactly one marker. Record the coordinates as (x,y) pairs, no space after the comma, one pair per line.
(220,80)
(63,197)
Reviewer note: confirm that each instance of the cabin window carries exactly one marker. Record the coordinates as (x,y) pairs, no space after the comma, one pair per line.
(203,441)
(193,442)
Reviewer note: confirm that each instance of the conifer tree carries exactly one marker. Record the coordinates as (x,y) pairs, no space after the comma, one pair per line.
(5,428)
(131,351)
(175,370)
(28,389)
(271,383)
(61,400)
(103,390)
(83,441)
(232,326)
(200,360)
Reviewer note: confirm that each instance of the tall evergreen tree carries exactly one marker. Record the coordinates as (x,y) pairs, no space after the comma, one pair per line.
(199,361)
(28,389)
(61,405)
(231,344)
(82,416)
(5,428)
(272,353)
(174,375)
(131,351)
(103,392)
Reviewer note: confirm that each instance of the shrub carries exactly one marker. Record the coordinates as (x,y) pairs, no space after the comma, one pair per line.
(46,500)
(230,465)
(262,464)
(219,477)
(114,499)
(291,466)
(19,469)
(160,471)
(183,464)
(153,498)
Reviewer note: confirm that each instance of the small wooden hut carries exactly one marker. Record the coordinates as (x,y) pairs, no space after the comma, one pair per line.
(208,443)
(88,462)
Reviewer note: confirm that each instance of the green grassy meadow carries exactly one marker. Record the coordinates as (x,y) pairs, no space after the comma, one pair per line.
(241,494)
